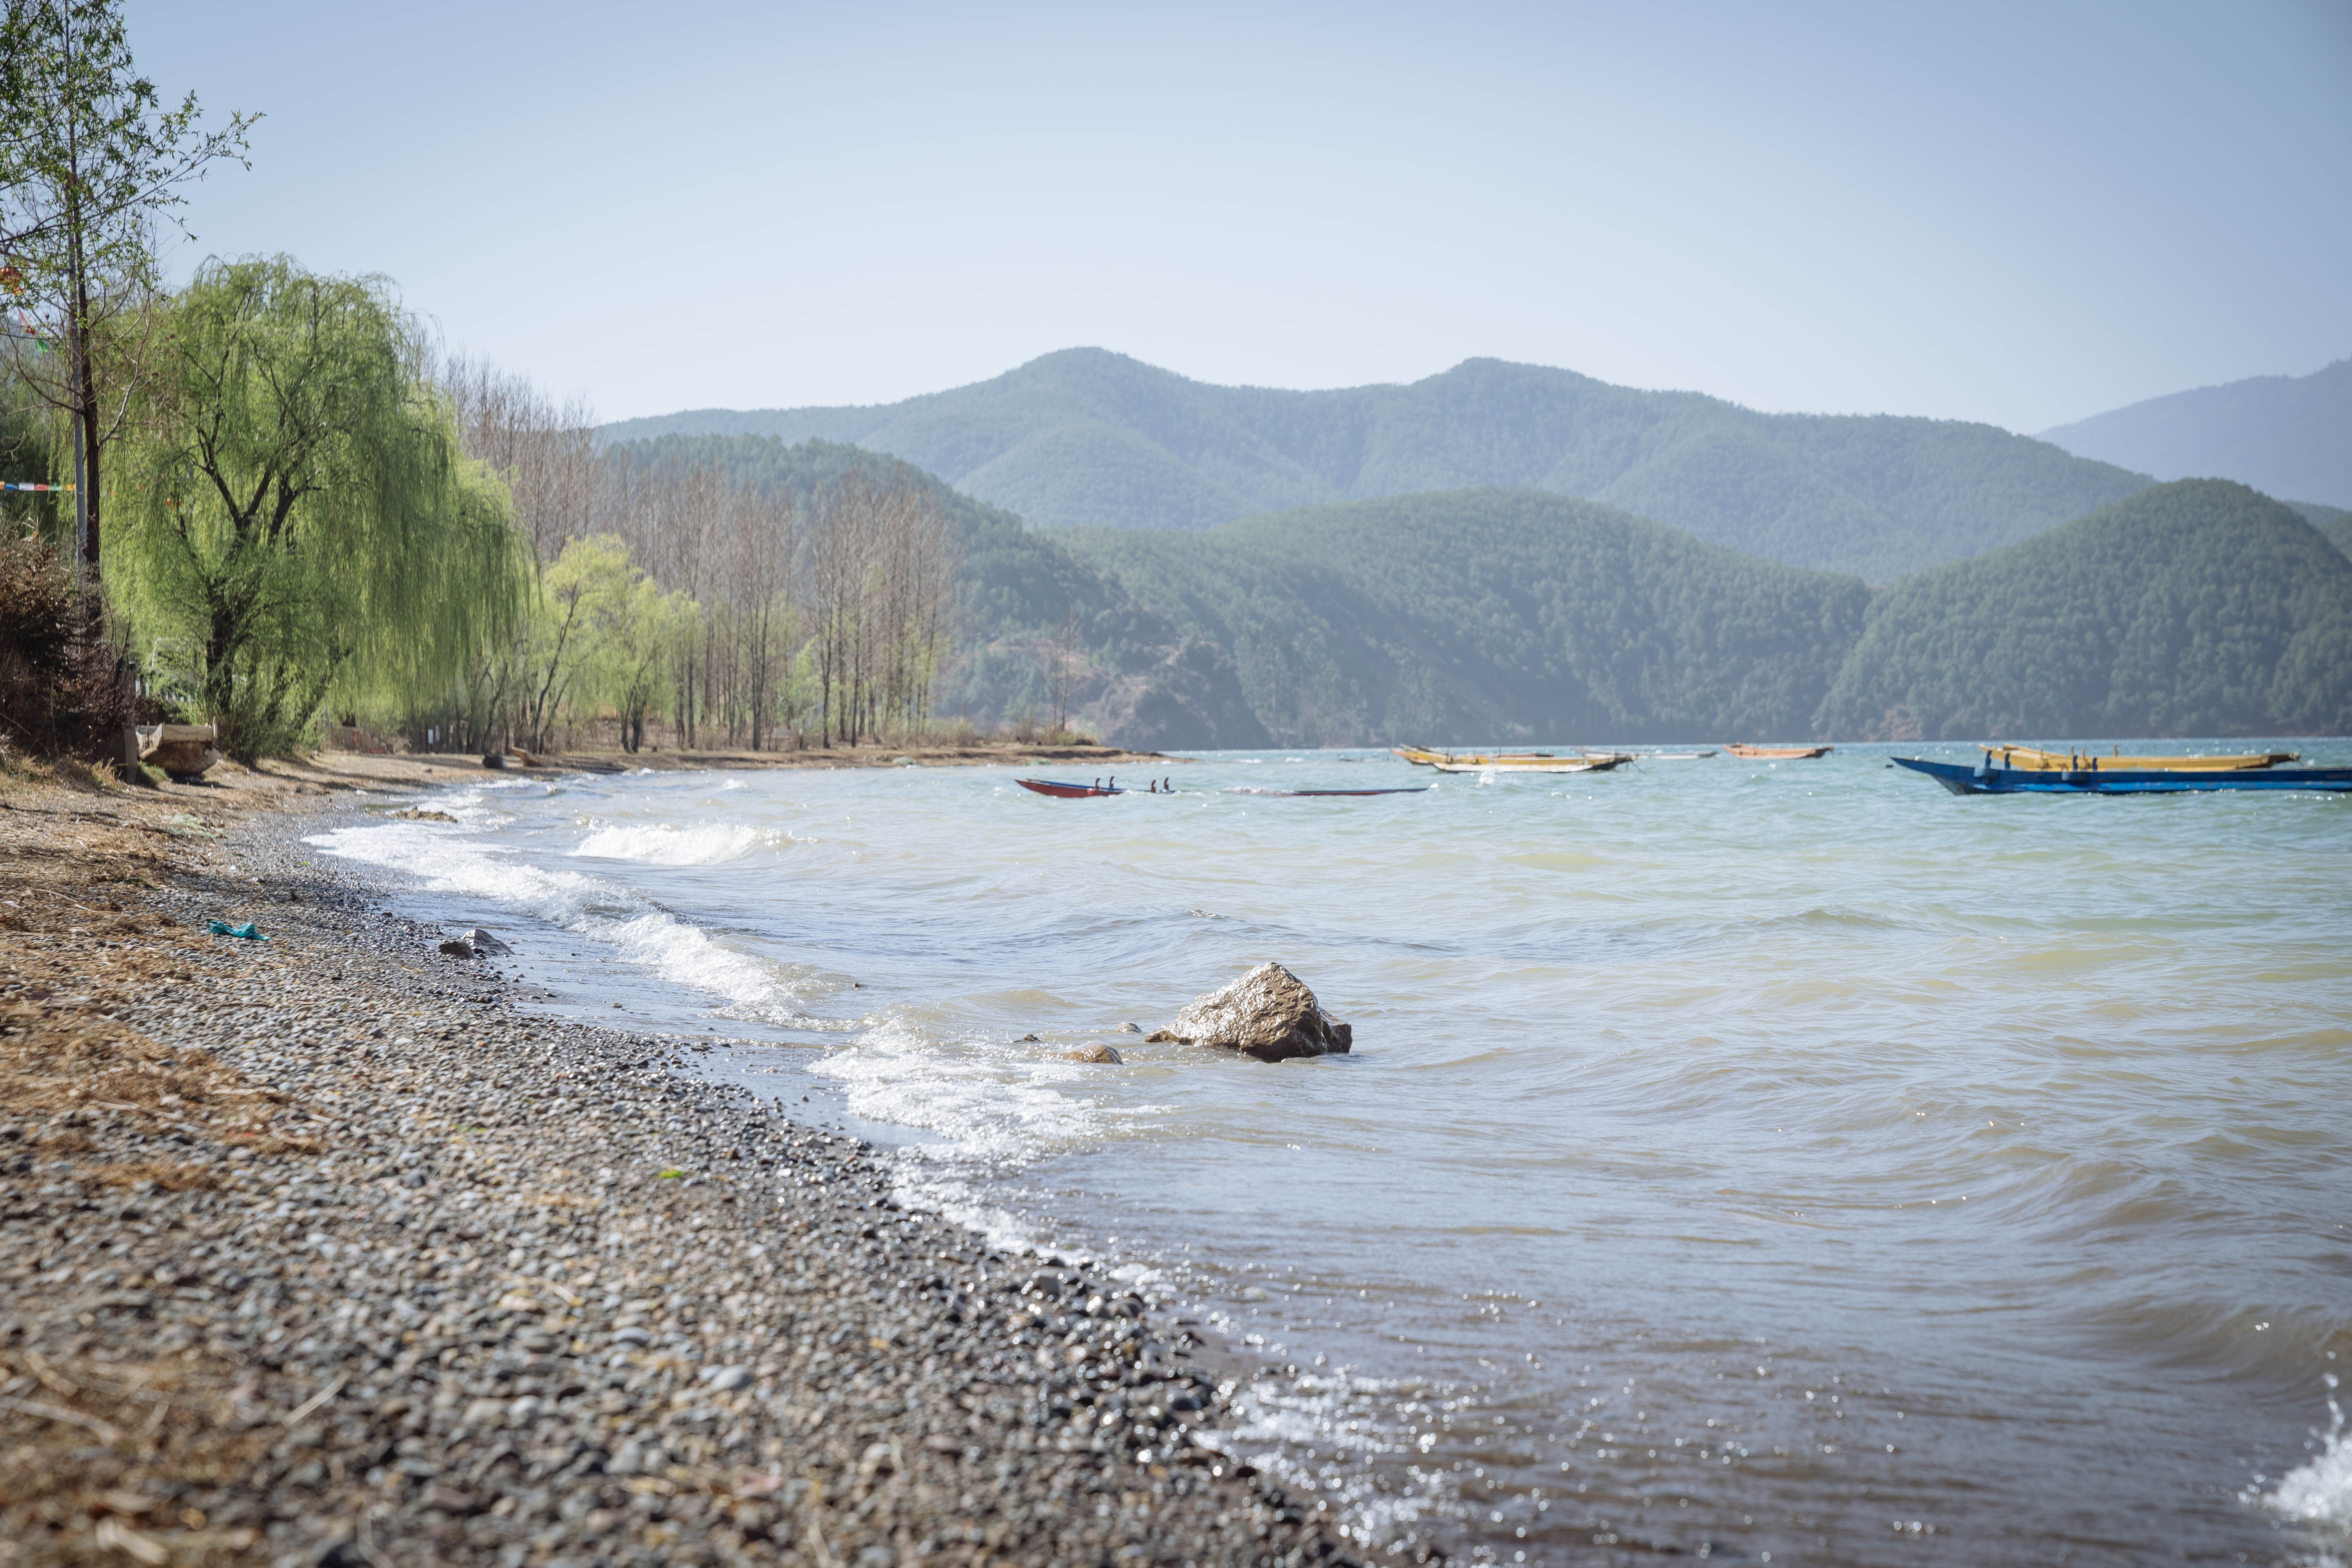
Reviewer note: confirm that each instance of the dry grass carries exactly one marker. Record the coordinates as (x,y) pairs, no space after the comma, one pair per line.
(166,1175)
(65,1068)
(91,1450)
(137,1431)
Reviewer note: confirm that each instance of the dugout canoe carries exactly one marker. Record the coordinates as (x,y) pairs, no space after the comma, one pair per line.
(1989,777)
(1060,791)
(2038,760)
(1741,748)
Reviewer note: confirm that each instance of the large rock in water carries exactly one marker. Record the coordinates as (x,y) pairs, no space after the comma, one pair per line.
(1268,1014)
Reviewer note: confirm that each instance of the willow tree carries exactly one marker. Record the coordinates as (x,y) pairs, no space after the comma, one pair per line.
(298,514)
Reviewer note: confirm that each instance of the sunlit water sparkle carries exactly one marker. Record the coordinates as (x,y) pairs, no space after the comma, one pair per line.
(1736,1158)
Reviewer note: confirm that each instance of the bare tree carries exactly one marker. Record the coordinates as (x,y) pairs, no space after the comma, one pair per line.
(1064,647)
(545,451)
(90,161)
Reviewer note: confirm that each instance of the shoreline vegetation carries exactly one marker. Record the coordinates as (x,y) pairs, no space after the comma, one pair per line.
(934,754)
(318,1250)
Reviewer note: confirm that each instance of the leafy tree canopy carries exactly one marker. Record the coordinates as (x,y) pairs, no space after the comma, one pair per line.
(297,510)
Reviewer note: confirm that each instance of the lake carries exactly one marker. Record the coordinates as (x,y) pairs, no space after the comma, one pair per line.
(1776,1161)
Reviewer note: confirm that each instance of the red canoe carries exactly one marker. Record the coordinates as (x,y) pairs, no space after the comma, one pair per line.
(1067,791)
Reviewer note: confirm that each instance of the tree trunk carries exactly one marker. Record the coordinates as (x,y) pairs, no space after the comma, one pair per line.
(87,492)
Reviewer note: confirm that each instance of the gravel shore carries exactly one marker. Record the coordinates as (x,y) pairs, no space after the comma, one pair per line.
(317,1251)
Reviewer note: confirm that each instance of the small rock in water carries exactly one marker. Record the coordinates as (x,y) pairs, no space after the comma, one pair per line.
(1096,1054)
(1268,1014)
(458,947)
(1026,1041)
(424,813)
(1131,1028)
(484,942)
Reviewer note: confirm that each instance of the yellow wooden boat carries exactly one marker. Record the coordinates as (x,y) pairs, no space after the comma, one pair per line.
(2033,759)
(1423,757)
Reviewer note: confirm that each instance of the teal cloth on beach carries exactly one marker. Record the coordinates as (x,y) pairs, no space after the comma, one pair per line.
(247,931)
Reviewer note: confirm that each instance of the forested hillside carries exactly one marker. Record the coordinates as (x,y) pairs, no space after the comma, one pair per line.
(1494,614)
(1089,437)
(2200,607)
(2334,521)
(1027,611)
(1468,617)
(2284,434)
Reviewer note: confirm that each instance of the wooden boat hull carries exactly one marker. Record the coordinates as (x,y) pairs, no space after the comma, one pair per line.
(1300,794)
(1562,765)
(1421,757)
(1778,753)
(2035,759)
(1962,779)
(1068,791)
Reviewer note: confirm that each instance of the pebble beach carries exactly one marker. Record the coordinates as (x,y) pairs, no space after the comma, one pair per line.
(321,1250)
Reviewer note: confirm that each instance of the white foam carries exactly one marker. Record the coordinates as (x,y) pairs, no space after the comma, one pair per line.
(989,1102)
(451,865)
(2319,1494)
(576,903)
(995,1108)
(660,844)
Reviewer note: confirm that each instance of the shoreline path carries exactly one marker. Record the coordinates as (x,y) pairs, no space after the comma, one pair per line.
(314,1251)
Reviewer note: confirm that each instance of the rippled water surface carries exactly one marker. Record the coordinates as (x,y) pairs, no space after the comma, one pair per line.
(1737,1158)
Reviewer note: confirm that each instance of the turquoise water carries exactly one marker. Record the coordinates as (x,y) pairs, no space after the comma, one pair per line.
(1739,1158)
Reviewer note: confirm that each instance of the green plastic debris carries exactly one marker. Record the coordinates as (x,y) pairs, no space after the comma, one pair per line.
(669,1175)
(247,931)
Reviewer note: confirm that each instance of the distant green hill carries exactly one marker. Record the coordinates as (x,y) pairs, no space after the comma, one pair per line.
(1135,675)
(1088,438)
(1494,614)
(2284,434)
(2200,607)
(2334,521)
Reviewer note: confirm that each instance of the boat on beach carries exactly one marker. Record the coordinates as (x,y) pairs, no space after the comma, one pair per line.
(1741,748)
(1993,776)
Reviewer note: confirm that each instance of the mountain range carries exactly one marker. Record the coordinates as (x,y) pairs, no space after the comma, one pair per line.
(1578,561)
(1086,437)
(2289,437)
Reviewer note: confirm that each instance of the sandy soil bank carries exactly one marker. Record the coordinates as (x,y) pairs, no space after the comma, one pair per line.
(315,1251)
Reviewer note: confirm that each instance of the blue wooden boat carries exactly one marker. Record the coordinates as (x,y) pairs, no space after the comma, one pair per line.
(1989,777)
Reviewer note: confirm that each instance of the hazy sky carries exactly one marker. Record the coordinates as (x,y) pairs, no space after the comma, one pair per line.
(2021,214)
